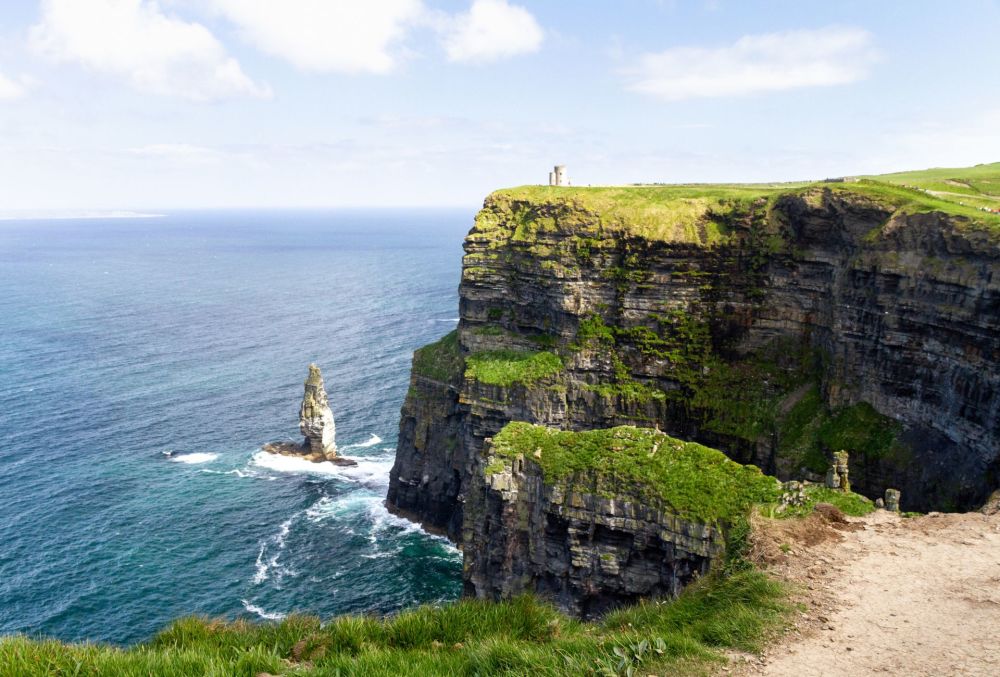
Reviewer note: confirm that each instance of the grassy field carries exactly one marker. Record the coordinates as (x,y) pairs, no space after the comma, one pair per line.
(697,212)
(977,186)
(519,637)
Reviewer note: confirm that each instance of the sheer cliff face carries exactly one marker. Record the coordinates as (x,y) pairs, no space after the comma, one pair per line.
(777,329)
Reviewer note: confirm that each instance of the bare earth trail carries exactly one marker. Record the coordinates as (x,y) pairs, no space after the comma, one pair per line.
(887,595)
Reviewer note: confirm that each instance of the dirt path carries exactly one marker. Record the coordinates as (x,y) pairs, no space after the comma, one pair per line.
(887,595)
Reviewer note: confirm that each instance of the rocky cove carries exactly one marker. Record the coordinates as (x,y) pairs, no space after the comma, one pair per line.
(777,324)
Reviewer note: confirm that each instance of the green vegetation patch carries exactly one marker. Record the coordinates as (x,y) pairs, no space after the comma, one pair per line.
(441,361)
(810,431)
(507,367)
(859,428)
(848,502)
(470,637)
(692,480)
(976,187)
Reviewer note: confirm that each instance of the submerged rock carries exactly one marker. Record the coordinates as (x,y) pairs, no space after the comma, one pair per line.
(316,424)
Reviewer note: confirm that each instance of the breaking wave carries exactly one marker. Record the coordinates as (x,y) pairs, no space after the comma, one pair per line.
(266,615)
(194,458)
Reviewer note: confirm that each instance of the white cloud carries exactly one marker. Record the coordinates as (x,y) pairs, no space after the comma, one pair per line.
(135,40)
(11,89)
(757,63)
(179,152)
(491,30)
(326,35)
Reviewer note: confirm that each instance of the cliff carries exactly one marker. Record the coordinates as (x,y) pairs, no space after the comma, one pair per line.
(595,520)
(776,323)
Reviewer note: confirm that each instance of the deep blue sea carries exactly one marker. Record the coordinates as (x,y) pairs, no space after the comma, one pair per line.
(122,339)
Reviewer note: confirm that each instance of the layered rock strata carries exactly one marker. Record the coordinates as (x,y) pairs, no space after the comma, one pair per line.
(778,328)
(601,533)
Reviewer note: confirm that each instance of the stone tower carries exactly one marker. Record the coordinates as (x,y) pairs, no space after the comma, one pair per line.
(316,417)
(557,177)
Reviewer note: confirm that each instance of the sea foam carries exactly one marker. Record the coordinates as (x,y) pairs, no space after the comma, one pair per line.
(196,457)
(266,615)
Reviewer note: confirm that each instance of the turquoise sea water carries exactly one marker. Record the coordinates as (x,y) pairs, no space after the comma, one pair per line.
(122,339)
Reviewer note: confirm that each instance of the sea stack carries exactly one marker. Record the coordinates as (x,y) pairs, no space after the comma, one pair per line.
(316,418)
(316,424)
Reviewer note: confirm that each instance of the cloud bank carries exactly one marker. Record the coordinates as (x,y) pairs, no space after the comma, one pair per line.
(135,40)
(10,89)
(325,35)
(755,64)
(492,30)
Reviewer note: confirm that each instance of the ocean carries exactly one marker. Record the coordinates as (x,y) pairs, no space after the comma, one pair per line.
(123,340)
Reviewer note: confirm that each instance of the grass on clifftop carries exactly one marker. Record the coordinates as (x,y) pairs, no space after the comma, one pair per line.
(696,213)
(507,367)
(681,213)
(440,361)
(694,481)
(470,637)
(977,186)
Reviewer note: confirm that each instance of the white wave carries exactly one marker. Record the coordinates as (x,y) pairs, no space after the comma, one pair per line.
(235,471)
(266,615)
(196,457)
(283,530)
(352,503)
(383,520)
(370,471)
(450,319)
(260,575)
(370,442)
(264,566)
(293,464)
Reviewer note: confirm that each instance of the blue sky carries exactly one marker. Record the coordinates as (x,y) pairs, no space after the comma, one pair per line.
(157,104)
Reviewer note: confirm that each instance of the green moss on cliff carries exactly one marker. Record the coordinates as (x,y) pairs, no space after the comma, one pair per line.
(860,429)
(441,361)
(507,367)
(692,480)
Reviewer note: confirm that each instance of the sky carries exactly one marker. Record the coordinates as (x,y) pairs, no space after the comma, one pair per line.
(160,104)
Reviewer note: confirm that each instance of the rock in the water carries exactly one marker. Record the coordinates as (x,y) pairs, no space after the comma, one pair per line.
(316,424)
(316,417)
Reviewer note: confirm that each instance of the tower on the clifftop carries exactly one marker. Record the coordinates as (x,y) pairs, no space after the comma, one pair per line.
(557,177)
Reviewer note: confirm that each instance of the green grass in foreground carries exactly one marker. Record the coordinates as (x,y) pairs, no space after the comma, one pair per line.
(518,637)
(507,367)
(695,481)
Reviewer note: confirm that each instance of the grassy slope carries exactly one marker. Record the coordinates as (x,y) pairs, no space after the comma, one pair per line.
(522,636)
(977,186)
